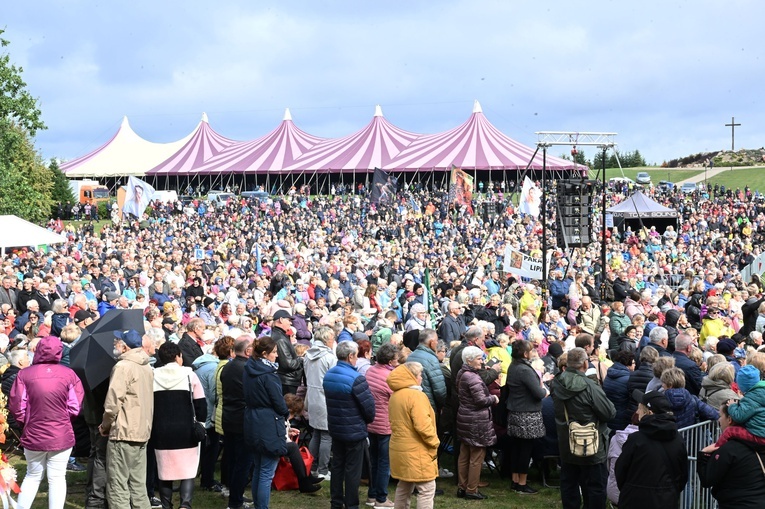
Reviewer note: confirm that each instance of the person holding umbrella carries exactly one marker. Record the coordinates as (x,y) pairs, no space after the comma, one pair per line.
(45,398)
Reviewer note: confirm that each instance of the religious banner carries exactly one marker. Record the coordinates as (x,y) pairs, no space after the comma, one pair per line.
(531,198)
(521,264)
(138,195)
(461,189)
(384,187)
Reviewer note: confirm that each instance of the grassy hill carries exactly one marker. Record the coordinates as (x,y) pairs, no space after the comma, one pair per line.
(741,177)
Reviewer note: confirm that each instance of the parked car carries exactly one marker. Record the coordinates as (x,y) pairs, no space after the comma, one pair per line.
(219,199)
(620,180)
(688,188)
(643,178)
(260,195)
(665,185)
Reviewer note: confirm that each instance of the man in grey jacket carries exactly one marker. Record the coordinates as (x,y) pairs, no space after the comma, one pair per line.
(584,401)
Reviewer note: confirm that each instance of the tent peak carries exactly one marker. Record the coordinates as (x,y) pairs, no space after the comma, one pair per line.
(378,111)
(125,122)
(287,114)
(477,107)
(204,118)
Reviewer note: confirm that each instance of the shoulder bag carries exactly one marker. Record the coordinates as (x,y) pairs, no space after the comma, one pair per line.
(198,431)
(583,439)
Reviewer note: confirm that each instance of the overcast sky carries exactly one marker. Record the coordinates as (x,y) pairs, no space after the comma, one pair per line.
(665,75)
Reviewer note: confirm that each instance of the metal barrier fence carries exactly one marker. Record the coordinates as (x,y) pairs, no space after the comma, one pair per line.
(697,437)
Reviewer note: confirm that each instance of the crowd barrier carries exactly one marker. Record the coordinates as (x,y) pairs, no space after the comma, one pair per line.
(697,437)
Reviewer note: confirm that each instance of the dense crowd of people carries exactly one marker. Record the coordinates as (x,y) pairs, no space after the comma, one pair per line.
(386,337)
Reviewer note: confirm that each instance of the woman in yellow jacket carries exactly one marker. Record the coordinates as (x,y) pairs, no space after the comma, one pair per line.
(413,442)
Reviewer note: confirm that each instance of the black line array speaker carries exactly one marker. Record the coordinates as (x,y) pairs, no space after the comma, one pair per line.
(574,217)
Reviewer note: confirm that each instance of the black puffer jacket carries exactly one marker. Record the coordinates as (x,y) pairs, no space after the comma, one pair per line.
(652,469)
(734,473)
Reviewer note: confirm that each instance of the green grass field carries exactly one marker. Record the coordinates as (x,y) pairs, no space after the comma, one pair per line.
(657,174)
(500,495)
(752,177)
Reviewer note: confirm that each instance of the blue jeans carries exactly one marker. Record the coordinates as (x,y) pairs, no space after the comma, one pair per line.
(379,477)
(264,467)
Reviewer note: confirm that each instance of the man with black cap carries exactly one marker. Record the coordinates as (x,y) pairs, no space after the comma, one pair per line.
(205,311)
(652,469)
(290,365)
(127,420)
(168,327)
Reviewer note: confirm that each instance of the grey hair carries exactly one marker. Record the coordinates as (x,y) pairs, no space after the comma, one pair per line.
(576,358)
(470,353)
(426,335)
(682,341)
(59,306)
(345,349)
(658,334)
(473,332)
(324,335)
(14,356)
(156,335)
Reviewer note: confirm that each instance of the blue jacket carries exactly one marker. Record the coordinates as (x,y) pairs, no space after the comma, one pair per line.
(104,307)
(750,410)
(205,367)
(559,292)
(350,405)
(693,374)
(345,335)
(616,387)
(433,384)
(689,409)
(265,413)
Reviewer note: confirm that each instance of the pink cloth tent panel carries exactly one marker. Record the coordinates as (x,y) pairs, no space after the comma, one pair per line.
(270,153)
(476,144)
(372,147)
(204,144)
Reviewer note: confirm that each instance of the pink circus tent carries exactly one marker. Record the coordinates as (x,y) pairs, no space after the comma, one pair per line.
(204,144)
(475,145)
(371,147)
(268,154)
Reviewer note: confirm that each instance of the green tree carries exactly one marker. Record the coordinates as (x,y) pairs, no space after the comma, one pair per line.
(25,182)
(61,192)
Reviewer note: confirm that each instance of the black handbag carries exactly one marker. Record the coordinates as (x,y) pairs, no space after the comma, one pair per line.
(198,430)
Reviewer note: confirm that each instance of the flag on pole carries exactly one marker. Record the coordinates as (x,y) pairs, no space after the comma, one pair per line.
(461,189)
(384,187)
(138,195)
(531,198)
(427,297)
(258,263)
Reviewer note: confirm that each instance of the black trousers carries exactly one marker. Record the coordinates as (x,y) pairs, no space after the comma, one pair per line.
(347,458)
(591,479)
(208,458)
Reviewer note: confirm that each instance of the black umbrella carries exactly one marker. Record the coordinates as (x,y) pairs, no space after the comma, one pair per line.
(92,356)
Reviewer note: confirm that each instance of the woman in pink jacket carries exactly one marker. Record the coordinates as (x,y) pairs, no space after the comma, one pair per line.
(45,398)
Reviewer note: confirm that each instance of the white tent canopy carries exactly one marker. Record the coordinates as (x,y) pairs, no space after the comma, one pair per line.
(20,233)
(641,206)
